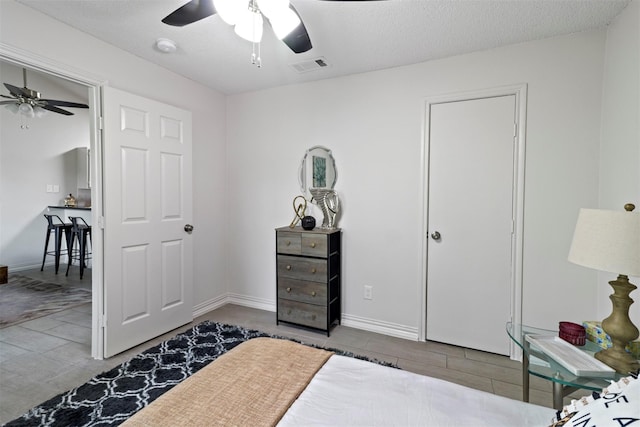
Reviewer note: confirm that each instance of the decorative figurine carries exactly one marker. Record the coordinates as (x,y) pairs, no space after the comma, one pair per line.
(329,202)
(308,223)
(299,210)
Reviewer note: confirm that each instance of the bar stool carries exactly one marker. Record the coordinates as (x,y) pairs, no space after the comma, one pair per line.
(58,227)
(79,230)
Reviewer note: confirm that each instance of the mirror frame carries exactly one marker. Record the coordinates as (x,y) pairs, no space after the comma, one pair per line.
(306,169)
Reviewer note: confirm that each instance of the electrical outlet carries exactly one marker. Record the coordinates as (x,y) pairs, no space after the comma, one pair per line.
(49,188)
(368,292)
(56,188)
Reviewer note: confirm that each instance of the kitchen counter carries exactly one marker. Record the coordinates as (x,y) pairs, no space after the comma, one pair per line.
(69,207)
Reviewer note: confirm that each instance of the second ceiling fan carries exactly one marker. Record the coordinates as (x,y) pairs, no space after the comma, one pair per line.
(247,16)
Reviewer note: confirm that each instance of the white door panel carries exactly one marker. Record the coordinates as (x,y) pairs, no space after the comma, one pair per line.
(471,165)
(148,255)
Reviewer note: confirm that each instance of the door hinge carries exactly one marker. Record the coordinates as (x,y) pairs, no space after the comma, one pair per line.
(103,321)
(100,123)
(101,222)
(513,226)
(515,129)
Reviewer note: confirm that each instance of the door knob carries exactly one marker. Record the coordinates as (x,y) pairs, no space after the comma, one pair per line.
(435,235)
(188,228)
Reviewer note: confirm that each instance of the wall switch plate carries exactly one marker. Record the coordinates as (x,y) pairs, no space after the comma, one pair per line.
(49,188)
(368,292)
(56,188)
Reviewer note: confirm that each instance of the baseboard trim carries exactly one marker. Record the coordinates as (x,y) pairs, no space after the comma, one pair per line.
(357,322)
(230,298)
(384,328)
(252,302)
(210,305)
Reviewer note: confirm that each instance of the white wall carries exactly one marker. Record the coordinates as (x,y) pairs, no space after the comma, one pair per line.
(620,142)
(29,160)
(77,50)
(246,158)
(373,123)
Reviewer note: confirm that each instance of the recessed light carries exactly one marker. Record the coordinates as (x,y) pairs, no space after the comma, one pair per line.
(166,45)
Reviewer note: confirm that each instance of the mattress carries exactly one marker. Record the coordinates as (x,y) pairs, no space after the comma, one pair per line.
(352,392)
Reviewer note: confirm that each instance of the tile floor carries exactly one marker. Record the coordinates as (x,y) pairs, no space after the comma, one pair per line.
(49,355)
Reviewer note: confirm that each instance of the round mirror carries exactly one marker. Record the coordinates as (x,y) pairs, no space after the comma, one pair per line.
(317,170)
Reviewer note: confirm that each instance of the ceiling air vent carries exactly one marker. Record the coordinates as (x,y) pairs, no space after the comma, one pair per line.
(310,65)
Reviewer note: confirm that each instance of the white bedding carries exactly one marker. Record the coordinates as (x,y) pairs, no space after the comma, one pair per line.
(352,392)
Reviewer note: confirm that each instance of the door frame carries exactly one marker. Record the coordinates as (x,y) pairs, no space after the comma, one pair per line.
(520,92)
(94,84)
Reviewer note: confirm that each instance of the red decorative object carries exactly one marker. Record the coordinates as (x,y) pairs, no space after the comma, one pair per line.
(573,333)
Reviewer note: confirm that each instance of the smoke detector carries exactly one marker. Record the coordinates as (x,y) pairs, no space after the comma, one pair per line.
(166,45)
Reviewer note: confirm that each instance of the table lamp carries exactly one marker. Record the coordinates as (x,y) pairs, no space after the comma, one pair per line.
(610,241)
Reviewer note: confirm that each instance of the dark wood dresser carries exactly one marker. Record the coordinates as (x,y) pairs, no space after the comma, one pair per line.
(308,277)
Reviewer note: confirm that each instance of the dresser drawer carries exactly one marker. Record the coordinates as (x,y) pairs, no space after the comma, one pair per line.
(311,315)
(288,242)
(312,244)
(314,270)
(299,290)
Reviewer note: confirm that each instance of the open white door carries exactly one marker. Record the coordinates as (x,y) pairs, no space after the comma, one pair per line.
(148,271)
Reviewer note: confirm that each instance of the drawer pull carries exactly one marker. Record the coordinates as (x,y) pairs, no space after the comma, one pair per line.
(313,245)
(288,267)
(313,294)
(313,317)
(288,289)
(289,311)
(288,243)
(313,271)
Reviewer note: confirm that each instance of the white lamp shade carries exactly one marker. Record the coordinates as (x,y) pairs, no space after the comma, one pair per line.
(249,26)
(607,241)
(284,22)
(230,10)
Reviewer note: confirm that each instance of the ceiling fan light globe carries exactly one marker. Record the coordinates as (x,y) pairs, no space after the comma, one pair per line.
(249,26)
(26,110)
(284,23)
(39,111)
(13,108)
(230,11)
(272,8)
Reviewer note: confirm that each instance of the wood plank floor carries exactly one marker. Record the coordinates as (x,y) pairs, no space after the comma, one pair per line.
(46,356)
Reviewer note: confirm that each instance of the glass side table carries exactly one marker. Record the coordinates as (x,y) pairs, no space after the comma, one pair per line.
(535,362)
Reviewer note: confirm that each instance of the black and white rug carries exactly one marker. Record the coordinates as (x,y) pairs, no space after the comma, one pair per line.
(113,396)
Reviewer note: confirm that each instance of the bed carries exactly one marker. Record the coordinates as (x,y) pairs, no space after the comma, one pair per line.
(267,381)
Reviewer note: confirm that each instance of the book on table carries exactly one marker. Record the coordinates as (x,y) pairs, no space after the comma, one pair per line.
(576,361)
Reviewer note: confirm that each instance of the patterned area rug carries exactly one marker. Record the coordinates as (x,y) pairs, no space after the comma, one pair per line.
(111,397)
(24,298)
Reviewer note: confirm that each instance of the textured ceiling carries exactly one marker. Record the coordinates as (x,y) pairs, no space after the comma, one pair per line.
(353,36)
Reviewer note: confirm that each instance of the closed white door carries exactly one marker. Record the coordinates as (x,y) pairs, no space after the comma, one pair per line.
(470,222)
(148,271)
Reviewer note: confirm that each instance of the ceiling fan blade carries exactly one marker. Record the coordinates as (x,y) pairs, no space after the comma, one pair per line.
(64,103)
(189,13)
(15,90)
(7,96)
(57,110)
(298,40)
(7,102)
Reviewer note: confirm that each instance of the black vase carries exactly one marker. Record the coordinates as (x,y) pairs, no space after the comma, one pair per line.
(308,222)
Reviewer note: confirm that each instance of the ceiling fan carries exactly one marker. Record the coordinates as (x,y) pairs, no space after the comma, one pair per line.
(28,102)
(247,16)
